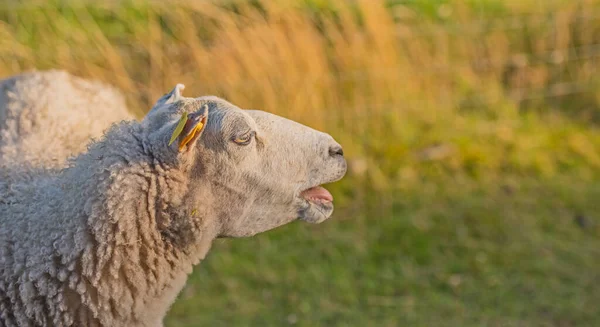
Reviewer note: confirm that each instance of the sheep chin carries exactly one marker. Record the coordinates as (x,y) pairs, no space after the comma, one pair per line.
(315,212)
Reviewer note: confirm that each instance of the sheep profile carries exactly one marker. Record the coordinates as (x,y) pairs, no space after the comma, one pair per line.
(110,239)
(45,117)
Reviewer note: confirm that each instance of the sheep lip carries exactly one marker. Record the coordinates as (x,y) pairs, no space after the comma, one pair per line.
(317,195)
(318,205)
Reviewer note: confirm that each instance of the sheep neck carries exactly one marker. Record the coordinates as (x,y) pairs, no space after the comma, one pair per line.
(139,248)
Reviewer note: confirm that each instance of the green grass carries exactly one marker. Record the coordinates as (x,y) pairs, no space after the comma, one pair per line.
(470,127)
(450,252)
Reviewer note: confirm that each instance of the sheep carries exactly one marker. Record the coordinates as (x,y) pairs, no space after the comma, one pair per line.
(48,116)
(110,239)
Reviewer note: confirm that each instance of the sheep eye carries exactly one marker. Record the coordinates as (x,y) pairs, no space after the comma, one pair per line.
(244,139)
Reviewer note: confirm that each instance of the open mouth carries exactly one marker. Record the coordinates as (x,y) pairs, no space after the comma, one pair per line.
(317,195)
(319,204)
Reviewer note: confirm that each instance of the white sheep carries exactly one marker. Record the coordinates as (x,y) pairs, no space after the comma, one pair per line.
(110,239)
(48,116)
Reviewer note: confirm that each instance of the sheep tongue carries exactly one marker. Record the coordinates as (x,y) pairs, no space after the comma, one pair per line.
(317,193)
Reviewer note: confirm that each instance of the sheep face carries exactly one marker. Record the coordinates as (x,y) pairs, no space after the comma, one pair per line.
(248,170)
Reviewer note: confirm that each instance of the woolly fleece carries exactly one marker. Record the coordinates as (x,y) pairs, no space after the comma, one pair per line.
(110,239)
(47,116)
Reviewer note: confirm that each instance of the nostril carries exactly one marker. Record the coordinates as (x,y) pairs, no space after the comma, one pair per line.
(336,151)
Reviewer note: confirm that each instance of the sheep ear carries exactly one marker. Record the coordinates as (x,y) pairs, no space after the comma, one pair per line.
(173,96)
(189,128)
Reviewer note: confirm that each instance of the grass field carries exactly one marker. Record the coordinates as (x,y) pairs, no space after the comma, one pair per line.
(471,130)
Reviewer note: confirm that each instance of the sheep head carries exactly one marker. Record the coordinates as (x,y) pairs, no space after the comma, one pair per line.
(247,170)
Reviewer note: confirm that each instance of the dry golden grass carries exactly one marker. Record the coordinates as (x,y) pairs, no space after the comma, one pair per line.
(389,82)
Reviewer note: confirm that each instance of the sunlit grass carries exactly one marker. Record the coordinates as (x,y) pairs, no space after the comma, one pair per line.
(387,81)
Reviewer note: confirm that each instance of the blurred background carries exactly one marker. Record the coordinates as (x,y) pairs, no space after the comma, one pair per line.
(471,129)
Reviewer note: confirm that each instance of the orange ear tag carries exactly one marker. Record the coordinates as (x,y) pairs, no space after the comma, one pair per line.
(190,136)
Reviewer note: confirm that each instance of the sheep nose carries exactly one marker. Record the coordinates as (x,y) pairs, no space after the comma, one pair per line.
(336,150)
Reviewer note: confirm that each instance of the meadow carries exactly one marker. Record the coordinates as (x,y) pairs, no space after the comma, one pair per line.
(471,129)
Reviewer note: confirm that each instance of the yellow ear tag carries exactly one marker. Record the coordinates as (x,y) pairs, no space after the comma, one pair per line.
(179,127)
(191,135)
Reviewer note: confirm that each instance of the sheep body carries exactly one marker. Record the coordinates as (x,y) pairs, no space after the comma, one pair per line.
(48,116)
(45,118)
(108,238)
(71,253)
